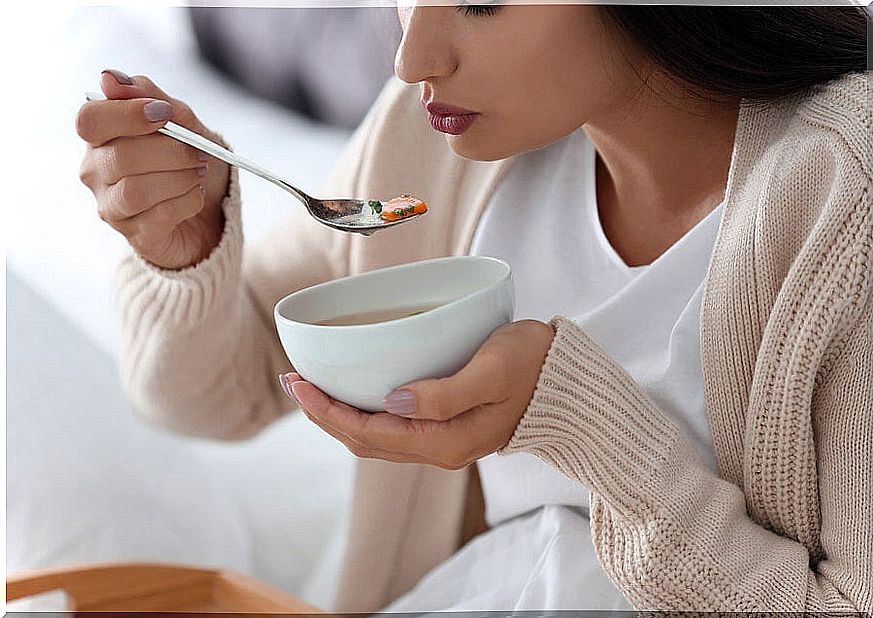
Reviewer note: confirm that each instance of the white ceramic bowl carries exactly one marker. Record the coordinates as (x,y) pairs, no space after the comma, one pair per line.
(361,364)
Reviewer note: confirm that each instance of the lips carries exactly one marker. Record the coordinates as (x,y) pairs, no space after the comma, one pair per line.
(449,119)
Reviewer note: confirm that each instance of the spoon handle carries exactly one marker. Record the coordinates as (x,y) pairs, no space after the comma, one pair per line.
(186,136)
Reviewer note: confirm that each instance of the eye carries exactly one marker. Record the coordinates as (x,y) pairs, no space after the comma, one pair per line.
(488,8)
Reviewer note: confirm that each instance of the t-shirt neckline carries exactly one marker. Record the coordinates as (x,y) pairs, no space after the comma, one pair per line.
(597,224)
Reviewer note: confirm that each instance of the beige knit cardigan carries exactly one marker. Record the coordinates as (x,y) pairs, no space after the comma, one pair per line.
(785,348)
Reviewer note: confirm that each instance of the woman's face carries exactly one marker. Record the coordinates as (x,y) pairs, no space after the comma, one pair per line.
(503,79)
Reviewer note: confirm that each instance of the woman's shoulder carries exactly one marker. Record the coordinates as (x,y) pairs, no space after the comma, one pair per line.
(809,142)
(825,126)
(841,110)
(809,189)
(841,104)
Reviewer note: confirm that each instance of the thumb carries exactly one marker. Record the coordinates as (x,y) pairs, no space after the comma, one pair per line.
(118,85)
(480,382)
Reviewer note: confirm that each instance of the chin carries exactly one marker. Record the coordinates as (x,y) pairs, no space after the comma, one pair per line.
(475,149)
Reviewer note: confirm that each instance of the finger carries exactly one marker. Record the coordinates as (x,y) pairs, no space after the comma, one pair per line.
(315,401)
(444,444)
(150,232)
(346,419)
(131,156)
(117,85)
(431,441)
(133,195)
(481,381)
(359,450)
(310,396)
(285,380)
(99,122)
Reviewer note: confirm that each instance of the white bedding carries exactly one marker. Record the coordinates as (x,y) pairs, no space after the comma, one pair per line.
(87,481)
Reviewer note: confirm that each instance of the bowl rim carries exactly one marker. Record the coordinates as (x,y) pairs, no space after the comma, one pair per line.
(507,275)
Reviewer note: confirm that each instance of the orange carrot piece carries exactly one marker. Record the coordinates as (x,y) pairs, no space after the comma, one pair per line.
(401,207)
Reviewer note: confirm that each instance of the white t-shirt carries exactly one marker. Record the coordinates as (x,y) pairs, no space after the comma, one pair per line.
(543,220)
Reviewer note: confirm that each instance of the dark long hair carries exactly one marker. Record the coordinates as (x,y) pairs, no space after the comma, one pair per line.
(759,53)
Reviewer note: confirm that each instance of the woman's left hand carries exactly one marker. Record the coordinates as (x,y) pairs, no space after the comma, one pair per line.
(445,422)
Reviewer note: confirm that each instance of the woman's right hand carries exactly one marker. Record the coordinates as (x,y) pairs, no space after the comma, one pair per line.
(162,195)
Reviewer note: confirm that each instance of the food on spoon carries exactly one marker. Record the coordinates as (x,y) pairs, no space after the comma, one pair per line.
(399,207)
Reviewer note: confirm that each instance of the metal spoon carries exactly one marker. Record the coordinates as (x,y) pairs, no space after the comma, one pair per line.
(345,214)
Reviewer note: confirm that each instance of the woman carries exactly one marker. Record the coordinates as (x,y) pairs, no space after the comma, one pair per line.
(688,185)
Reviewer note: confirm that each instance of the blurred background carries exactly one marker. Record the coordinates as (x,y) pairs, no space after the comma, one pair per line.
(87,481)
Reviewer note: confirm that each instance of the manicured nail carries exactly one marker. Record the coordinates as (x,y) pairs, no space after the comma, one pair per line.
(296,397)
(121,78)
(400,402)
(156,111)
(286,386)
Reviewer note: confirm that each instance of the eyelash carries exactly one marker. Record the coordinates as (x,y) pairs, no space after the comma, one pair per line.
(478,9)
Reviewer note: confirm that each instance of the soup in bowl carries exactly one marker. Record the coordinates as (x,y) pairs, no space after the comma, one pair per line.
(358,338)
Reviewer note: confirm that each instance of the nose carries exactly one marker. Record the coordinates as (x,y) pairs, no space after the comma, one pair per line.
(426,51)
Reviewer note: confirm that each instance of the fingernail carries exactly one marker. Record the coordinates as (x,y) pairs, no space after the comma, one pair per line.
(296,397)
(400,402)
(202,155)
(283,381)
(121,78)
(155,111)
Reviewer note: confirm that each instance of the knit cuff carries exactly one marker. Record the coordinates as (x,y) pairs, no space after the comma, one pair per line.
(185,296)
(591,420)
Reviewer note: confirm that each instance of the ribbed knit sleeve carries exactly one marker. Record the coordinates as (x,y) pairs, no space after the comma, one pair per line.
(786,329)
(672,535)
(191,340)
(200,352)
(590,418)
(188,294)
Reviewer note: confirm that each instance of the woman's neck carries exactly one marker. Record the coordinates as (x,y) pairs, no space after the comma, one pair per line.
(662,166)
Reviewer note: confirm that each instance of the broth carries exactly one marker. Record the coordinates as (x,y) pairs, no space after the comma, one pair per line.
(373,317)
